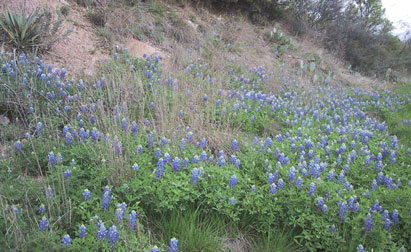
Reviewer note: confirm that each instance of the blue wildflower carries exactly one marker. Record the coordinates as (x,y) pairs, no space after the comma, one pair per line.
(233,181)
(132,220)
(368,222)
(234,146)
(155,249)
(176,164)
(66,240)
(43,224)
(311,191)
(102,231)
(113,234)
(86,195)
(18,146)
(360,248)
(67,174)
(273,189)
(82,231)
(173,245)
(105,200)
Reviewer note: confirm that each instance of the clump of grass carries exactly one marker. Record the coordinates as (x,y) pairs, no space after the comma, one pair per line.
(274,241)
(196,232)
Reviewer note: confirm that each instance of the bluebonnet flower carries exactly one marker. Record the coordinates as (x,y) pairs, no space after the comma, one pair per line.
(41,209)
(331,175)
(232,200)
(320,202)
(173,245)
(140,149)
(194,176)
(150,139)
(86,195)
(51,159)
(105,200)
(82,231)
(353,156)
(94,134)
(49,192)
(280,184)
(66,240)
(39,128)
(157,153)
(18,146)
(233,181)
(347,185)
(59,158)
(237,164)
(135,167)
(395,216)
(367,161)
(186,162)
(113,234)
(167,158)
(311,191)
(203,143)
(393,156)
(270,179)
(69,139)
(221,161)
(132,220)
(155,249)
(196,159)
(299,183)
(160,169)
(385,217)
(342,213)
(367,194)
(379,166)
(291,174)
(67,174)
(163,142)
(203,156)
(176,164)
(182,145)
(360,248)
(102,231)
(43,224)
(380,178)
(119,215)
(255,141)
(273,189)
(189,137)
(134,128)
(118,146)
(234,146)
(368,222)
(341,177)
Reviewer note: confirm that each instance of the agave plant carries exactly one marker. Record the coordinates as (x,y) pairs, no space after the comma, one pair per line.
(21,29)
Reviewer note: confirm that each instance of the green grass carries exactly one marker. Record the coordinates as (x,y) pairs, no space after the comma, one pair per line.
(395,119)
(195,231)
(275,241)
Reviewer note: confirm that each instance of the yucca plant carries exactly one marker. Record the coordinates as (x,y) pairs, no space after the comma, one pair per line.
(21,29)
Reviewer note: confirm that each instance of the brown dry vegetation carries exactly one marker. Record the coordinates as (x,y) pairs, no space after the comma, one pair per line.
(171,29)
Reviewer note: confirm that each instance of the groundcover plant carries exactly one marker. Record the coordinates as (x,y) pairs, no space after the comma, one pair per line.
(132,160)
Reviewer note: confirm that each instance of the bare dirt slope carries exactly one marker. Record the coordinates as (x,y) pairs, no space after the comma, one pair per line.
(80,51)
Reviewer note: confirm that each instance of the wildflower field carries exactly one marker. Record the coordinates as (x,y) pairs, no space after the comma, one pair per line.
(144,160)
